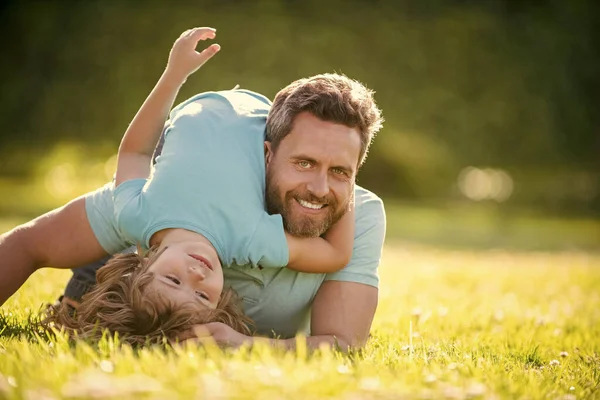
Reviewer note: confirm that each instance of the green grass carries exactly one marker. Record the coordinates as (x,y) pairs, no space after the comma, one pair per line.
(453,324)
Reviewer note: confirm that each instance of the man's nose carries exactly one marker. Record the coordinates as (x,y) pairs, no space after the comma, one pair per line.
(319,185)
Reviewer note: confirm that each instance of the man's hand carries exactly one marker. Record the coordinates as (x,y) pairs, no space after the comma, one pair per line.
(184,60)
(217,332)
(341,318)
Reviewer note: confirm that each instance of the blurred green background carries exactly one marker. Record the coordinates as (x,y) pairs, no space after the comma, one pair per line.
(492,133)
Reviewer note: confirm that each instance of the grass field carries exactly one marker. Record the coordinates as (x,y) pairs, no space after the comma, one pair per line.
(454,324)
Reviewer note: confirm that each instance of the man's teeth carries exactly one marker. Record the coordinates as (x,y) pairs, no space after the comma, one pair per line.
(313,206)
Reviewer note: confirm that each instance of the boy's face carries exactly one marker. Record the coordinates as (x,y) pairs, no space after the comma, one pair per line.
(188,273)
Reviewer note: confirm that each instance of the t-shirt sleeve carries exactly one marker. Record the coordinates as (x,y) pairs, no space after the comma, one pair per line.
(368,245)
(127,198)
(99,207)
(268,247)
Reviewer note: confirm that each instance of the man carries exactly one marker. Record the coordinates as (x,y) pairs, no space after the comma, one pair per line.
(317,136)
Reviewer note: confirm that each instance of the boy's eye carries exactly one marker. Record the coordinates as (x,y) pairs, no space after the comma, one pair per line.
(174,280)
(205,297)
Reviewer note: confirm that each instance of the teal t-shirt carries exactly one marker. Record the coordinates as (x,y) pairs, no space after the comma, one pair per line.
(210,179)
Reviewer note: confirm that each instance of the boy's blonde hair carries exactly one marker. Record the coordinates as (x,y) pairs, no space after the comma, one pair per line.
(120,303)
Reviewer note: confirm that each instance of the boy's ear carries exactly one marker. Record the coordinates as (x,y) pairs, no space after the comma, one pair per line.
(268,152)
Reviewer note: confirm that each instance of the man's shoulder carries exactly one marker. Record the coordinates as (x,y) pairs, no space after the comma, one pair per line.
(367,202)
(370,212)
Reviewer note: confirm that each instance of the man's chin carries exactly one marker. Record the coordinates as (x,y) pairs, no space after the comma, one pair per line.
(303,226)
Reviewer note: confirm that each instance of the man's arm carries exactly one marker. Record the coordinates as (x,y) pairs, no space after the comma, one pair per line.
(342,314)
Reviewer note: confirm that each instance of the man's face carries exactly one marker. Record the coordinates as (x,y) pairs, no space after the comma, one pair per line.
(310,176)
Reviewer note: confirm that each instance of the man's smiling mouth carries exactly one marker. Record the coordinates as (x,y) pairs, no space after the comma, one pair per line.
(309,205)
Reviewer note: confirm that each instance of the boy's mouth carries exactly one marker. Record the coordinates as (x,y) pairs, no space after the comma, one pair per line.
(203,260)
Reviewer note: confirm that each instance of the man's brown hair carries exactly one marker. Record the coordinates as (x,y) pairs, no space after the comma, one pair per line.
(329,97)
(120,304)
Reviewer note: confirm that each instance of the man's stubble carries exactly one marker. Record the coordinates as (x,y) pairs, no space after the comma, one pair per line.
(302,225)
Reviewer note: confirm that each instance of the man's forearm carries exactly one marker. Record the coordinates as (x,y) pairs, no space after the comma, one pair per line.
(16,265)
(312,342)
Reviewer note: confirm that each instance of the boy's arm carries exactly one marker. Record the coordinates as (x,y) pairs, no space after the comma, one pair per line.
(139,141)
(330,253)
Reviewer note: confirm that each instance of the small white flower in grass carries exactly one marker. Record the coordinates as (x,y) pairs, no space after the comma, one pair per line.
(430,378)
(370,384)
(498,315)
(452,366)
(554,363)
(453,392)
(564,354)
(275,372)
(12,381)
(406,347)
(212,386)
(416,315)
(107,366)
(476,390)
(572,388)
(343,369)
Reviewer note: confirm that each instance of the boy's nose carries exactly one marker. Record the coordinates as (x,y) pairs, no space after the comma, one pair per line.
(197,272)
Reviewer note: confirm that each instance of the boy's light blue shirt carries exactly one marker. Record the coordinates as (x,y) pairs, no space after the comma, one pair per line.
(209,179)
(277,299)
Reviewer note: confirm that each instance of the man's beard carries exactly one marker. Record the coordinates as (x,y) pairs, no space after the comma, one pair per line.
(302,225)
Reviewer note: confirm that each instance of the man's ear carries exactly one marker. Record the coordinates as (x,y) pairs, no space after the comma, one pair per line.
(268,153)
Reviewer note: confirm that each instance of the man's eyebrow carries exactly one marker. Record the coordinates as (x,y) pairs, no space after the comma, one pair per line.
(303,158)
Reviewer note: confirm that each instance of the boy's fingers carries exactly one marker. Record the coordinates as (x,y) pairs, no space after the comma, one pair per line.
(207,53)
(201,331)
(185,33)
(202,33)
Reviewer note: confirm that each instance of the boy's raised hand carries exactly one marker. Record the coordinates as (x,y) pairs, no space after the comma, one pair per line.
(184,60)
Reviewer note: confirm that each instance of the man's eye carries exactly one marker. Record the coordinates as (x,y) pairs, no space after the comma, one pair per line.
(205,297)
(174,280)
(304,164)
(339,171)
